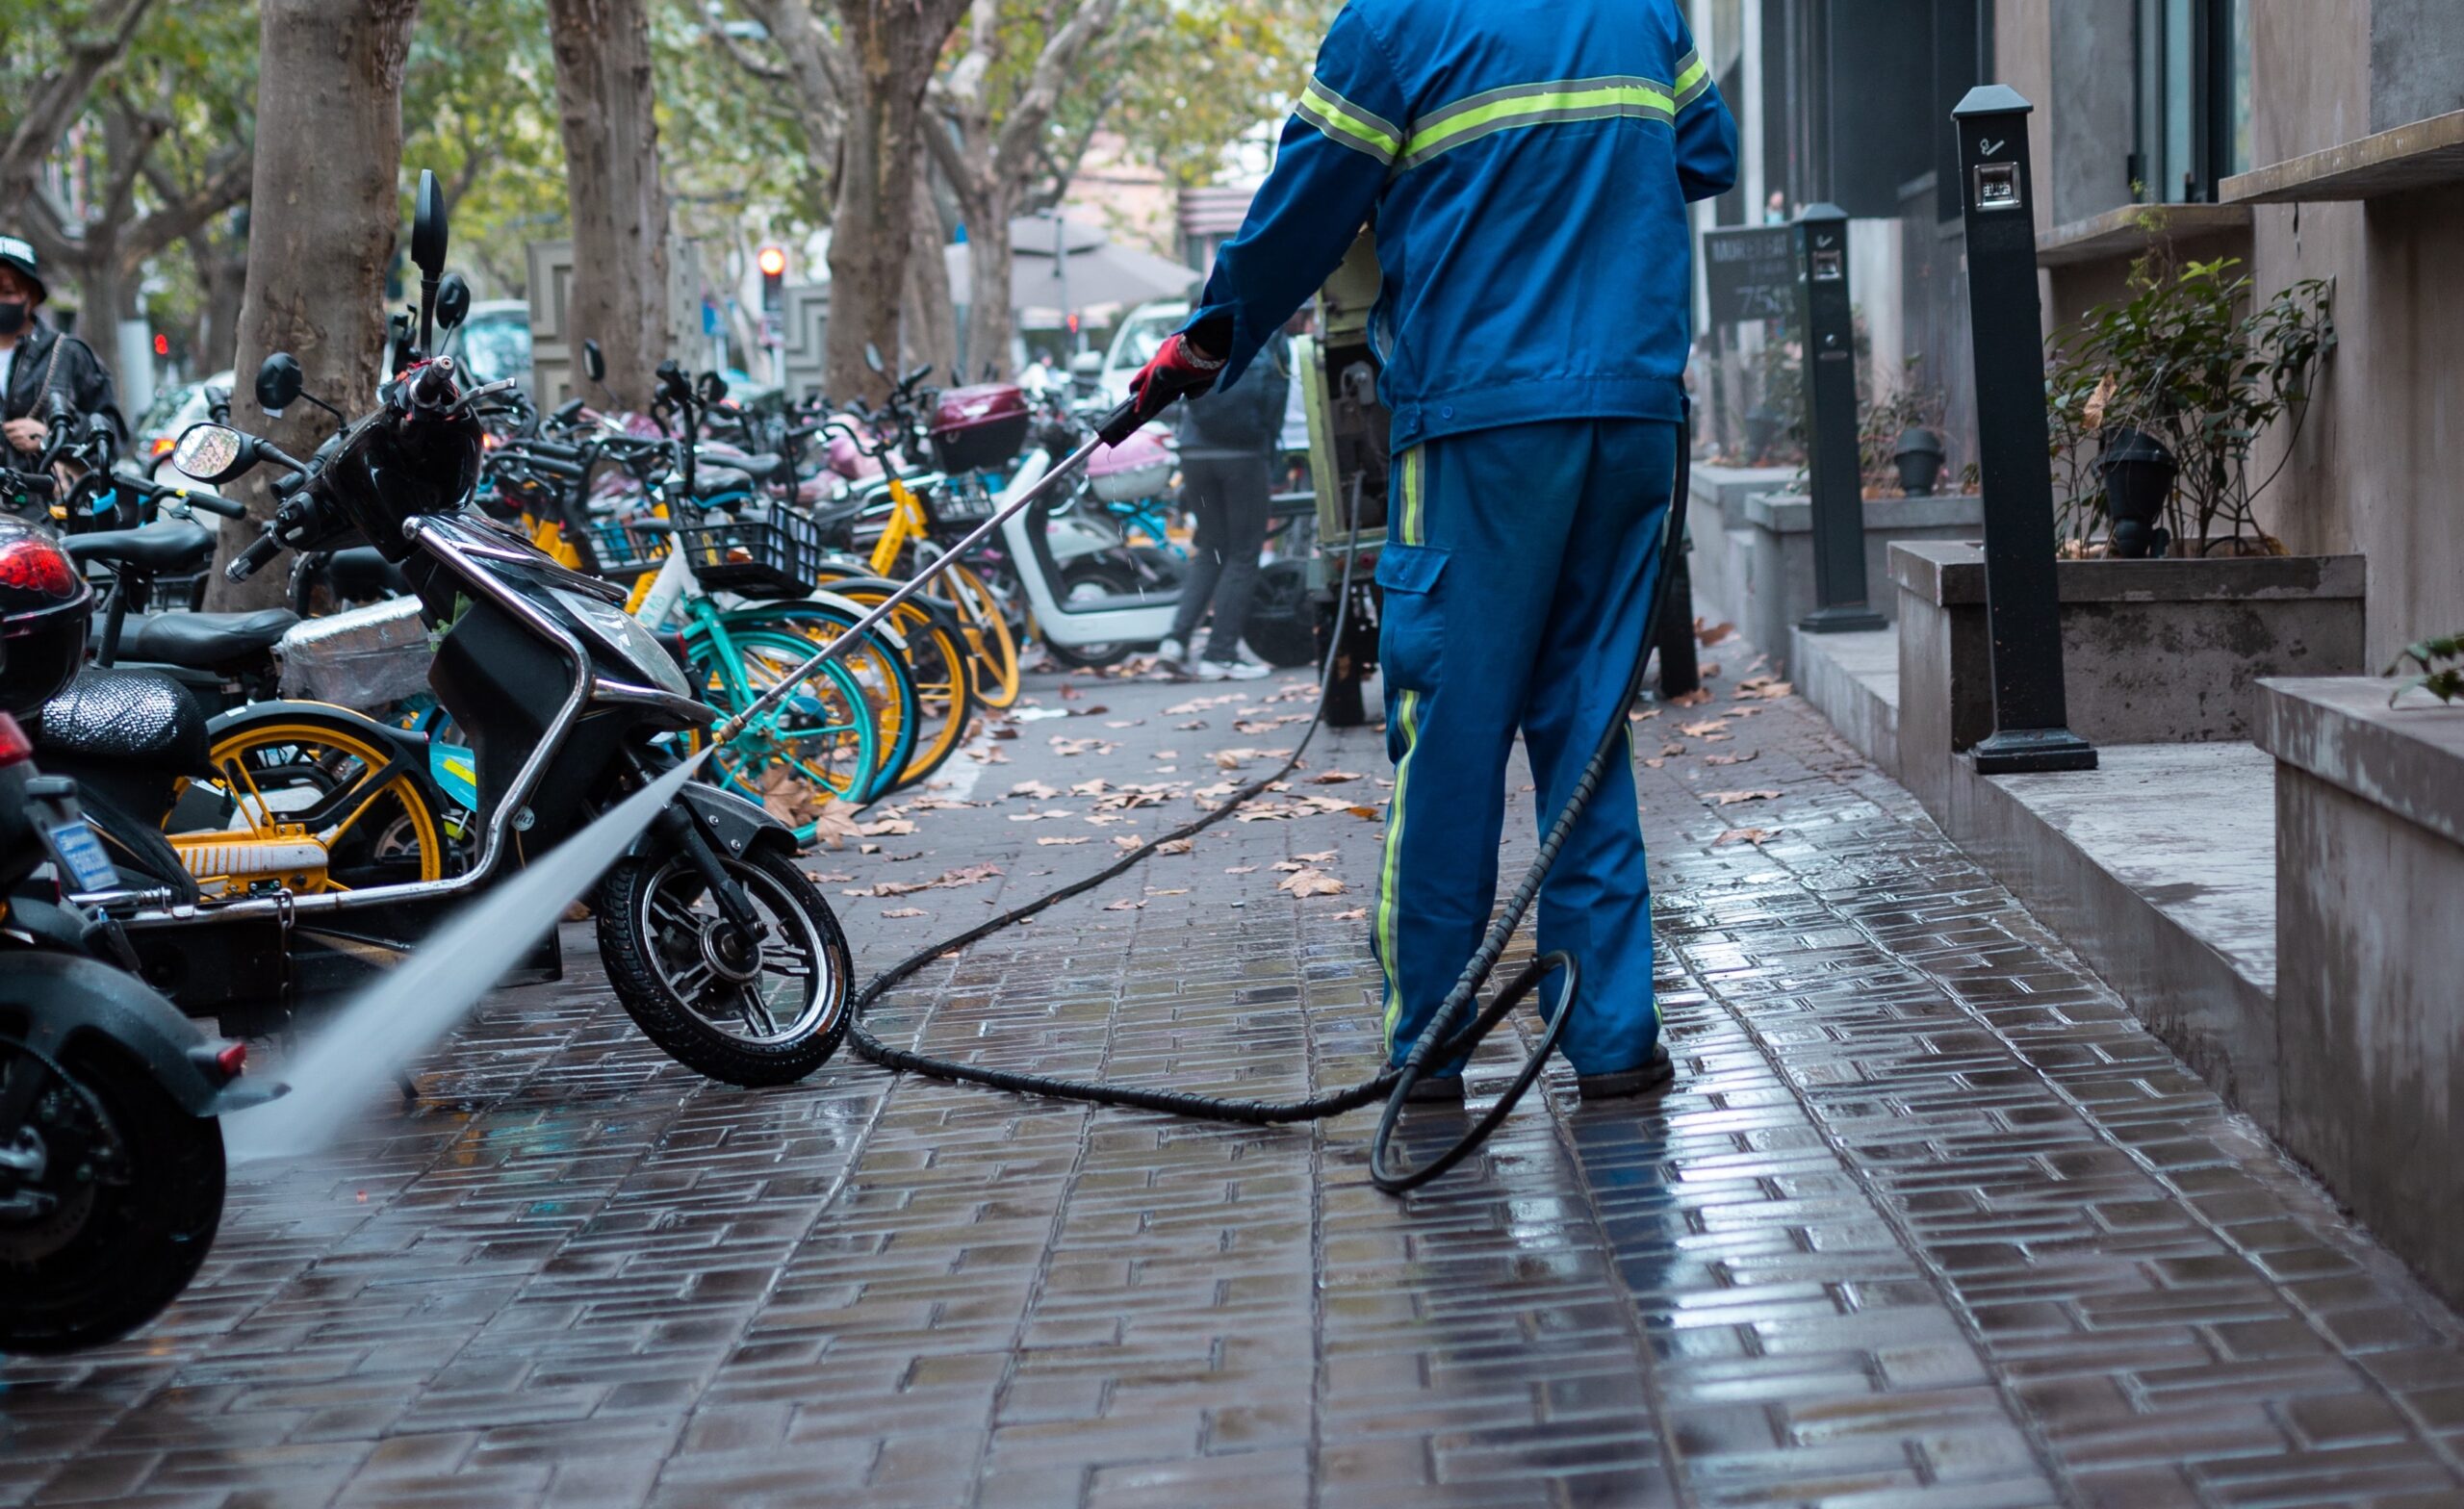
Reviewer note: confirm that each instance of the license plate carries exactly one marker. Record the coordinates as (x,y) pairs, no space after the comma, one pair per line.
(82,854)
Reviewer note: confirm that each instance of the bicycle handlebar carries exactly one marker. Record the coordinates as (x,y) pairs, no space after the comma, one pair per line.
(248,562)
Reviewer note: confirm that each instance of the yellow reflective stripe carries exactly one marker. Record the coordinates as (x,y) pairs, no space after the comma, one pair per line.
(1537,104)
(1346,124)
(1693,79)
(1407,716)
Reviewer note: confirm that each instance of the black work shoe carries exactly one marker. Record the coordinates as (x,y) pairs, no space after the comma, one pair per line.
(1647,1078)
(1432,1091)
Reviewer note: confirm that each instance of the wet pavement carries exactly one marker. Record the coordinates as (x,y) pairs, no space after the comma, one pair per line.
(1928,1220)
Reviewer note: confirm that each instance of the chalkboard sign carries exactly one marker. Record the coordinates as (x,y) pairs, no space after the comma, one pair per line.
(1752,273)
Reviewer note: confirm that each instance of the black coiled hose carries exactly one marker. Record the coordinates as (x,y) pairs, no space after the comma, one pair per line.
(1441,1043)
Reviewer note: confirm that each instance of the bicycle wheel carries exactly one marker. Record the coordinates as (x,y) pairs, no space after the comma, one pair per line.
(877,661)
(993,652)
(936,662)
(816,745)
(314,800)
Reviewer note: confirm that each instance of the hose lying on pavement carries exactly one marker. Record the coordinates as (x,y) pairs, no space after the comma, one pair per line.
(1440,1043)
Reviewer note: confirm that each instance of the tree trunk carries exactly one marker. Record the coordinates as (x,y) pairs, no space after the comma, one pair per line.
(221,259)
(868,235)
(931,320)
(330,154)
(989,316)
(604,94)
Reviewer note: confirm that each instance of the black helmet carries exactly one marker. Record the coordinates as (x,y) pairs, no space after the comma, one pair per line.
(17,254)
(45,609)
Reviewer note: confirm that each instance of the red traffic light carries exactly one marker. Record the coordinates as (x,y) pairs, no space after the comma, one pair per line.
(773,261)
(162,345)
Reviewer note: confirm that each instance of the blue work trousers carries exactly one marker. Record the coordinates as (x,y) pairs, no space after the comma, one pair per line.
(1516,577)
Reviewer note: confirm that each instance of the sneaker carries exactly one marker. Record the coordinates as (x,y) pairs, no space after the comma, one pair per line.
(1652,1077)
(1173,656)
(1231,670)
(1434,1091)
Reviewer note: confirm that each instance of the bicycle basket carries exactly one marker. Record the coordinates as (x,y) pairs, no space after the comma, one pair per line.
(779,555)
(958,503)
(624,550)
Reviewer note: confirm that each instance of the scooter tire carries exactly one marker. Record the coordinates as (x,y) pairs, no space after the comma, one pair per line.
(142,1235)
(634,960)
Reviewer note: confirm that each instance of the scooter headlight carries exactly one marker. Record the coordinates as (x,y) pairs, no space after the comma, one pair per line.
(623,636)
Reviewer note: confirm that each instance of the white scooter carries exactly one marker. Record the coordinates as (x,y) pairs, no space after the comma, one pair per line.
(1081,626)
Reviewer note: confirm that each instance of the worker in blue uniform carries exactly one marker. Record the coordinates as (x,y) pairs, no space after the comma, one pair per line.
(1526,166)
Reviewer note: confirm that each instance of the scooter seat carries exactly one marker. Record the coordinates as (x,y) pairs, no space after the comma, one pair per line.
(362,572)
(203,641)
(174,545)
(129,717)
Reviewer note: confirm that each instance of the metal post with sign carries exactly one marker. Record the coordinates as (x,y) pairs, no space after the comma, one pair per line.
(2006,320)
(1837,475)
(1750,276)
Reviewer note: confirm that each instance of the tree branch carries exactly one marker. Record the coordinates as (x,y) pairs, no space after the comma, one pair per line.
(60,97)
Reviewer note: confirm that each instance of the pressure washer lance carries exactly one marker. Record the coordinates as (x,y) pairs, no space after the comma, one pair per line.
(1441,1043)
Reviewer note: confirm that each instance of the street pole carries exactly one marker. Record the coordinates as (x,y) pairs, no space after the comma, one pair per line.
(1838,485)
(2005,322)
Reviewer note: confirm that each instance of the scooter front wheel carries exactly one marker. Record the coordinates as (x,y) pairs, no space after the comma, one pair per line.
(746,1011)
(110,1196)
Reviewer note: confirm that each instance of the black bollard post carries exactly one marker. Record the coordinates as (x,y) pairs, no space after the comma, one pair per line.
(2006,320)
(1838,485)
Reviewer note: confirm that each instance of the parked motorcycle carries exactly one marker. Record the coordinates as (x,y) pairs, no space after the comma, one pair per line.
(717,944)
(111,1158)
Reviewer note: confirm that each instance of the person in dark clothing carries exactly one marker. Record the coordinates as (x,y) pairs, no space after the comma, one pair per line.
(1227,442)
(36,360)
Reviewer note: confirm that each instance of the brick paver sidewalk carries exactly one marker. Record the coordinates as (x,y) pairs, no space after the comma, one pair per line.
(1928,1221)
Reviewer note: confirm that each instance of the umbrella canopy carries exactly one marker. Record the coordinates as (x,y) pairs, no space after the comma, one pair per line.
(1094,270)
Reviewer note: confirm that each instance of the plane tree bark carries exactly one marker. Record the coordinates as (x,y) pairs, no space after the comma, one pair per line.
(324,219)
(605,101)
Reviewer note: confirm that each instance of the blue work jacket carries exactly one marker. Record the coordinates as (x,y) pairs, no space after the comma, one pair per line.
(1525,164)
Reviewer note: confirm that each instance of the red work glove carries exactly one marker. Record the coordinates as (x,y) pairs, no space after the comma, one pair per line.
(1179,369)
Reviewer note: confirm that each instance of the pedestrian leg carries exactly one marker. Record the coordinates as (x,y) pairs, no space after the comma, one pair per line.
(1244,488)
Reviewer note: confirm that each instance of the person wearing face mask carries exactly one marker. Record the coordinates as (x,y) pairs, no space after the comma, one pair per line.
(36,360)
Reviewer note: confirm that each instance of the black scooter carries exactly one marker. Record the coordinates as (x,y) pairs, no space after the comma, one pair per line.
(111,1159)
(721,950)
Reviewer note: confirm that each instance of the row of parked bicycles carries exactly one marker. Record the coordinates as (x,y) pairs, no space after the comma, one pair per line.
(500,625)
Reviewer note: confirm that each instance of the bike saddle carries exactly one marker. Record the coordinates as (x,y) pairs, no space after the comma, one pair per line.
(132,717)
(760,465)
(174,545)
(363,571)
(204,641)
(713,481)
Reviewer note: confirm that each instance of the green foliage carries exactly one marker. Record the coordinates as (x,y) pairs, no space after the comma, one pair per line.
(2189,359)
(2442,665)
(1198,73)
(1881,419)
(479,110)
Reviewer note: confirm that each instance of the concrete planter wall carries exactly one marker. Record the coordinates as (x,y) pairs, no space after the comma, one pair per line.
(2370,945)
(1723,549)
(1779,577)
(2153,652)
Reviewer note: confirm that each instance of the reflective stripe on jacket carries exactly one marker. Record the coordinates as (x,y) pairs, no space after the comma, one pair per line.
(1527,165)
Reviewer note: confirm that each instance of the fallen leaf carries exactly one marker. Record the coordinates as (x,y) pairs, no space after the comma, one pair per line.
(1175,846)
(1038,816)
(1642,715)
(1655,762)
(1362,811)
(1125,905)
(1746,835)
(1165,754)
(1325,857)
(1710,634)
(1071,694)
(1242,869)
(1732,798)
(1179,891)
(1333,778)
(1695,731)
(826,877)
(1091,788)
(1672,748)
(1006,730)
(987,756)
(1730,759)
(1693,698)
(1762,688)
(1254,726)
(1184,728)
(901,887)
(1054,842)
(1353,915)
(1125,841)
(1290,866)
(1311,883)
(1033,789)
(868,848)
(906,911)
(1707,670)
(967,874)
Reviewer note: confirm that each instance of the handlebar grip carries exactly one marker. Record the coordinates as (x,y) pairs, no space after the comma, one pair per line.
(555,468)
(248,562)
(551,450)
(212,503)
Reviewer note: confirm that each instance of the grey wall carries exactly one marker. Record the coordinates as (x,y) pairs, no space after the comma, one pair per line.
(2416,60)
(2090,118)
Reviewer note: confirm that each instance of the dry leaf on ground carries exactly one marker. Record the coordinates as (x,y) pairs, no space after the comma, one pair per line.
(1333,778)
(1125,905)
(1126,842)
(1693,698)
(1745,835)
(1311,883)
(826,877)
(1353,915)
(1712,633)
(1240,869)
(1730,759)
(1178,890)
(1672,748)
(1033,789)
(1732,798)
(1762,688)
(1174,846)
(1054,843)
(1321,856)
(906,911)
(1290,866)
(1695,731)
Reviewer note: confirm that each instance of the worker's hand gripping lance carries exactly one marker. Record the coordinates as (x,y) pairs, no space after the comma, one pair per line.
(1116,427)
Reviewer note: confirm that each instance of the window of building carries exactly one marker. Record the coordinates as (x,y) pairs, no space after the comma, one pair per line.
(2194,98)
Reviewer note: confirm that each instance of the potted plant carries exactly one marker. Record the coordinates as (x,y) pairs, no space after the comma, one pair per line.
(2192,367)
